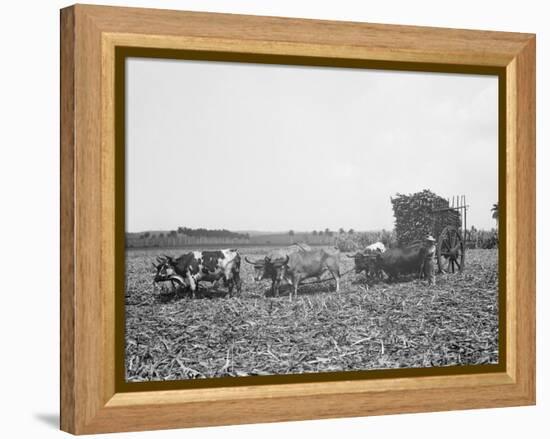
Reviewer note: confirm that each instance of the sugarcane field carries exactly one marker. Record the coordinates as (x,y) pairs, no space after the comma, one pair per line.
(399,325)
(245,326)
(337,221)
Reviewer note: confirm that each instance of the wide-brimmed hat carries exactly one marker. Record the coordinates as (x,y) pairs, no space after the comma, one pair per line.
(430,238)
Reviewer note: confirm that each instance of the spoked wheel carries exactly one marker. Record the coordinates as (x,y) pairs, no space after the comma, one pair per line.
(450,251)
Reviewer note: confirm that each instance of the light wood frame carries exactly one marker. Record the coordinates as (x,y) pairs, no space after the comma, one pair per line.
(89,36)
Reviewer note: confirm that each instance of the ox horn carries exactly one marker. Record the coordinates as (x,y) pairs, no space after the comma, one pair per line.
(251,262)
(281,263)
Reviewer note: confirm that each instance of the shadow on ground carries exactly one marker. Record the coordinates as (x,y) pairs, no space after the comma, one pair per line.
(49,419)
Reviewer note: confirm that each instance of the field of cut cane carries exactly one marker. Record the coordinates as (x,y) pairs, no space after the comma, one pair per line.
(399,325)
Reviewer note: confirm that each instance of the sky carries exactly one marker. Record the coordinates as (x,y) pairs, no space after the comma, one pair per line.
(275,148)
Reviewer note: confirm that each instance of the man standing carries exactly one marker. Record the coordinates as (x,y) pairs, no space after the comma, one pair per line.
(429,270)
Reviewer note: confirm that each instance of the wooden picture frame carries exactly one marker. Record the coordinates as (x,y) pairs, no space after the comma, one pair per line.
(91,402)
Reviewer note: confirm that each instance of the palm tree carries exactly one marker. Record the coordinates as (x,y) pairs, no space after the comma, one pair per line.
(494,209)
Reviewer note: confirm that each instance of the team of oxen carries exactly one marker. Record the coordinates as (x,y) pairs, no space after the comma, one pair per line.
(292,268)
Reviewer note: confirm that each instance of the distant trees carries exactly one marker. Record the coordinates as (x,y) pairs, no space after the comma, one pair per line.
(481,238)
(341,231)
(360,240)
(494,209)
(184,236)
(211,233)
(314,233)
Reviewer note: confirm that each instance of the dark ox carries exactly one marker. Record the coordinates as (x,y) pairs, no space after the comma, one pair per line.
(210,266)
(366,261)
(296,267)
(401,261)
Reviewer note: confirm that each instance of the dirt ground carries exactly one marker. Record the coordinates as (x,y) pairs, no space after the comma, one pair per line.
(399,325)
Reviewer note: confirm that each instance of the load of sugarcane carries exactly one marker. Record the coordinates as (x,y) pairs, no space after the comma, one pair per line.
(420,214)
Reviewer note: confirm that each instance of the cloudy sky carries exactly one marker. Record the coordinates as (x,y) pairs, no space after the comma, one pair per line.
(273,148)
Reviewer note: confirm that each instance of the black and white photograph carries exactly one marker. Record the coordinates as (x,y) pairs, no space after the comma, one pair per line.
(287,219)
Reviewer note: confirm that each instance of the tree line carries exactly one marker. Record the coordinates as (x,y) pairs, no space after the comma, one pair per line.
(212,233)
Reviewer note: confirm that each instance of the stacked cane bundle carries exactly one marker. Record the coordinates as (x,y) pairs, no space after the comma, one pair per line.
(420,214)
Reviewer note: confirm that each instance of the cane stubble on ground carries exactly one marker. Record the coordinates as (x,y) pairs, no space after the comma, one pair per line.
(383,326)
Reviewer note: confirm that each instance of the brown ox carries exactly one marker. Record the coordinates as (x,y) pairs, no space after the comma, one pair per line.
(296,267)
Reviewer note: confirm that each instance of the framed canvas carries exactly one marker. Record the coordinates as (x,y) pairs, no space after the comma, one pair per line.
(271,219)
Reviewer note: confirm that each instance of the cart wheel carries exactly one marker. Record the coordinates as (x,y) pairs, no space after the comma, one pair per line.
(450,251)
